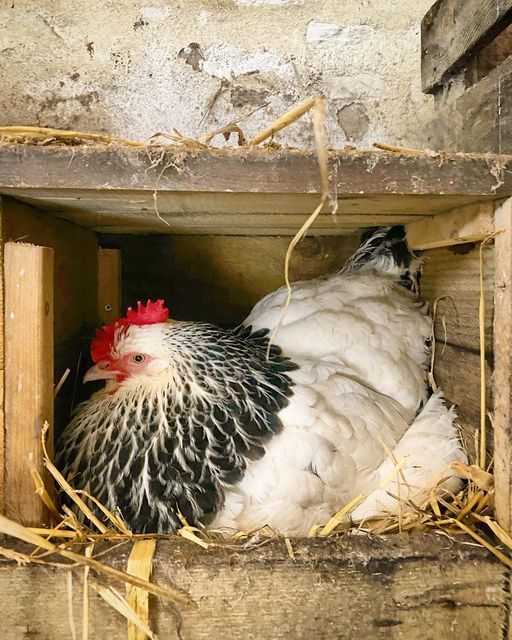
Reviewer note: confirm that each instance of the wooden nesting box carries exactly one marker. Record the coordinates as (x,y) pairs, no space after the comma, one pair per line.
(208,232)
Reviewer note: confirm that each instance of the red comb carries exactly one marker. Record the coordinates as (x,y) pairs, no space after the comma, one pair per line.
(101,345)
(151,313)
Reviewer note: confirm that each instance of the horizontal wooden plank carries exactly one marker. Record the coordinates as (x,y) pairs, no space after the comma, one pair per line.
(226,231)
(87,204)
(480,119)
(227,275)
(455,272)
(250,170)
(413,587)
(221,223)
(458,226)
(453,29)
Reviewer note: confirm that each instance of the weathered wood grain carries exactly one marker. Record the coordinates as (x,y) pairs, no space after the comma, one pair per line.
(84,203)
(230,223)
(461,225)
(457,373)
(28,277)
(455,272)
(112,189)
(452,30)
(503,366)
(487,58)
(217,278)
(480,119)
(245,171)
(415,587)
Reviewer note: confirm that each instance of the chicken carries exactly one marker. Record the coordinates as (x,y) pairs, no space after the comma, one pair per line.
(201,422)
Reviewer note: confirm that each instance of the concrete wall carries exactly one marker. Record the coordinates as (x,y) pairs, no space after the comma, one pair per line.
(131,68)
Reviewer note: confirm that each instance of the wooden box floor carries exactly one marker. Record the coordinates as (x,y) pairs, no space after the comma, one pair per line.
(413,587)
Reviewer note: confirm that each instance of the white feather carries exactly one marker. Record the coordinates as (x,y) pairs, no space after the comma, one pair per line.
(359,341)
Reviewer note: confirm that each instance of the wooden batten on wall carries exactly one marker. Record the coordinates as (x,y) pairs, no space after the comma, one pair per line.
(109,285)
(28,277)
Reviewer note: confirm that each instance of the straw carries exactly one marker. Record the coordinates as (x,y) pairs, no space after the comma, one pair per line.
(140,564)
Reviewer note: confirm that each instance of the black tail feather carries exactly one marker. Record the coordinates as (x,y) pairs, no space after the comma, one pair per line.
(385,250)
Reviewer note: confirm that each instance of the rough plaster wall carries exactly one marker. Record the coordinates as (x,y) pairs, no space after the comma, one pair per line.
(131,68)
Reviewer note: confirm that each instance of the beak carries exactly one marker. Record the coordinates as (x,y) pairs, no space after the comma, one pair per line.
(99,372)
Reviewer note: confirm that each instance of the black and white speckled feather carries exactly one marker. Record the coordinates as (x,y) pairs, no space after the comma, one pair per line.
(170,444)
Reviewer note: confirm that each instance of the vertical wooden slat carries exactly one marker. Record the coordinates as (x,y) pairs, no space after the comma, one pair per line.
(502,376)
(2,363)
(109,285)
(28,277)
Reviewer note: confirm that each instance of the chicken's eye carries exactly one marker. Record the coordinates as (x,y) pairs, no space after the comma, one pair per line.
(138,358)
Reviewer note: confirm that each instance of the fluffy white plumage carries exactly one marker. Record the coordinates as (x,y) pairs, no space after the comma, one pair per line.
(359,340)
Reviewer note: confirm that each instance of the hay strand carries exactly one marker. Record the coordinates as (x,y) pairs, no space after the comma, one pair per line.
(85,595)
(71,616)
(62,380)
(406,150)
(15,530)
(323,158)
(43,135)
(117,602)
(289,549)
(64,484)
(41,489)
(140,563)
(284,120)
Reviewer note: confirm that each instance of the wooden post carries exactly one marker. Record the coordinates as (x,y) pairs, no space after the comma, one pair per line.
(28,276)
(503,364)
(109,284)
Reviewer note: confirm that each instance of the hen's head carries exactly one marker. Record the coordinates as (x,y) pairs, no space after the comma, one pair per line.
(131,347)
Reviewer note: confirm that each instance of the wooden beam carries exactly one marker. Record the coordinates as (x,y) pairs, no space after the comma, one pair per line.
(465,224)
(480,119)
(109,285)
(360,173)
(28,274)
(452,30)
(502,376)
(411,586)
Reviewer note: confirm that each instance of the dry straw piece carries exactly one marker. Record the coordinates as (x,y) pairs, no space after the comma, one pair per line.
(140,563)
